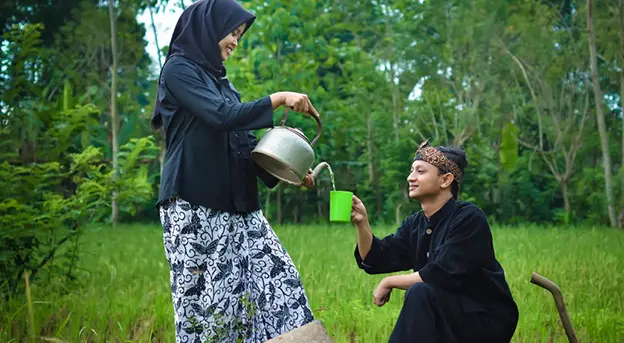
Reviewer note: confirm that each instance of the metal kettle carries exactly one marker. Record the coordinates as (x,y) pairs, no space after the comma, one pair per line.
(286,152)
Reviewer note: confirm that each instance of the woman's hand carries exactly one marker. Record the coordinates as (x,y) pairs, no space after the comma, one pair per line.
(308,180)
(297,101)
(358,211)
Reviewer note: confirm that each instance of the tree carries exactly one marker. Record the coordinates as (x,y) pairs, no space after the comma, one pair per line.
(113,105)
(600,118)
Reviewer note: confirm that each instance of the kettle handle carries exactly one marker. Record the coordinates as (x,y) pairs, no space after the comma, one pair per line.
(315,115)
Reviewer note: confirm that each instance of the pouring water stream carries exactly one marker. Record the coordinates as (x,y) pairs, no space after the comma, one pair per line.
(318,169)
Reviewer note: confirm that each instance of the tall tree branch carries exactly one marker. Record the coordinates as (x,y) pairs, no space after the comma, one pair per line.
(528,82)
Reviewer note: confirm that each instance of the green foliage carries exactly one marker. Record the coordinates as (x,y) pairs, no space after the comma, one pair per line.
(509,146)
(506,81)
(41,211)
(45,204)
(52,181)
(95,177)
(134,185)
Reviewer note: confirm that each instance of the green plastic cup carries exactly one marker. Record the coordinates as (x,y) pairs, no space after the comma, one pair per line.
(340,206)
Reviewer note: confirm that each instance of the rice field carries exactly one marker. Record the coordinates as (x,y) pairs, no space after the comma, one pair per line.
(122,294)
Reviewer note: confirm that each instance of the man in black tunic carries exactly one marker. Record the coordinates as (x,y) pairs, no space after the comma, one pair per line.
(458,291)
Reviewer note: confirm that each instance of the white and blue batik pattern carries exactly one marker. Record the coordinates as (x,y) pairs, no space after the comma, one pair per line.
(231,279)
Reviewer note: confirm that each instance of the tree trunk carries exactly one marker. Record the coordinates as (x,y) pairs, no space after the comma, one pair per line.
(369,147)
(113,107)
(155,36)
(267,205)
(279,203)
(373,178)
(162,144)
(621,22)
(395,104)
(533,96)
(296,213)
(378,193)
(393,87)
(566,197)
(319,203)
(602,129)
(397,215)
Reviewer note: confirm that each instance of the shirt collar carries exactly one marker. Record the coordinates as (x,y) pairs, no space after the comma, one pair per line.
(442,213)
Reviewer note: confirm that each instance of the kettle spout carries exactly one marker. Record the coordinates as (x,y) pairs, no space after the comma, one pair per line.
(318,169)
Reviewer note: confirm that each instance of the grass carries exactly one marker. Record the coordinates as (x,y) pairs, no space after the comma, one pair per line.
(123,293)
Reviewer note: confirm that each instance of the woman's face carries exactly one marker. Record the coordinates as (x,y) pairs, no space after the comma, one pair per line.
(230,42)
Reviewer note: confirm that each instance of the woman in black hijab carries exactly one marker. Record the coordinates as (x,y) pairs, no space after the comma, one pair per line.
(231,279)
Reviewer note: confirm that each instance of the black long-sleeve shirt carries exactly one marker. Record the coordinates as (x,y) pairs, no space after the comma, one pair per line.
(452,250)
(209,140)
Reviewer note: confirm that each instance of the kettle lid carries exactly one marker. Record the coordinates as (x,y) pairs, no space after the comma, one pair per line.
(299,132)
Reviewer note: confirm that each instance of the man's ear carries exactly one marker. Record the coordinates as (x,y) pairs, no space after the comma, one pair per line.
(447,180)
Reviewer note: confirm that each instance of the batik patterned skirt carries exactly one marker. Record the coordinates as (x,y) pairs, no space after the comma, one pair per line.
(231,279)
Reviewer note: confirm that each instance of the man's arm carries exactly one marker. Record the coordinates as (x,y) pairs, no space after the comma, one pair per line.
(403,282)
(381,295)
(386,255)
(459,255)
(365,239)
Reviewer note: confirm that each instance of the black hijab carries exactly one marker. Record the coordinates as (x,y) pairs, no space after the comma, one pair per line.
(197,34)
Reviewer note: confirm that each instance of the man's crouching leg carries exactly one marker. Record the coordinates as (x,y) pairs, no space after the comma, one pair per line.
(430,314)
(427,316)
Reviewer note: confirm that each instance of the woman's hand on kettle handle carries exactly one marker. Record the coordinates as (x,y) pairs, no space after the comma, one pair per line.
(308,180)
(297,101)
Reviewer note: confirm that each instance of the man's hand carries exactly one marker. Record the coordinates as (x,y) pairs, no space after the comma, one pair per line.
(381,295)
(308,180)
(358,212)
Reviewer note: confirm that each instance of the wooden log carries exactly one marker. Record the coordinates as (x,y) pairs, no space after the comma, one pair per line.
(313,332)
(543,282)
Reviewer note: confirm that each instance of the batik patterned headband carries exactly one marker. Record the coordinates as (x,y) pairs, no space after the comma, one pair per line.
(434,156)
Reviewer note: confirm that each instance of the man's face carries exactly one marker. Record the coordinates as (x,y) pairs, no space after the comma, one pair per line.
(425,181)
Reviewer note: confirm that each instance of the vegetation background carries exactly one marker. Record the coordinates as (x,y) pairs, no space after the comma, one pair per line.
(532,90)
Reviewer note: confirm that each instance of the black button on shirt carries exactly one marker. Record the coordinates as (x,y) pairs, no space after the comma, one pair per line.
(453,250)
(209,140)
